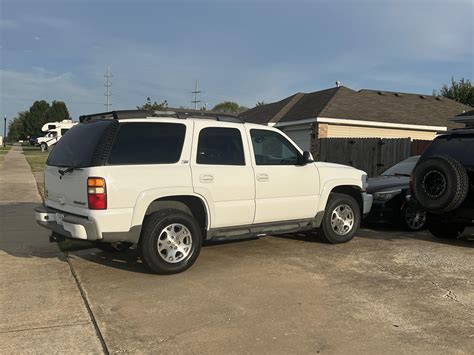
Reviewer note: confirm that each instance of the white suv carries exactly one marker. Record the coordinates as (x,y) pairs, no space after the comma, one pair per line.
(169,181)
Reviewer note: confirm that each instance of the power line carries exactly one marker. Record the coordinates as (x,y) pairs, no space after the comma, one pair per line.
(108,92)
(196,92)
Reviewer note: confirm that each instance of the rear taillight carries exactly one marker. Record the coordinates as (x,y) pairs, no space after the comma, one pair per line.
(96,193)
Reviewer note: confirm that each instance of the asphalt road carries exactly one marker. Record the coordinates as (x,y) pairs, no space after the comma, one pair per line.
(383,292)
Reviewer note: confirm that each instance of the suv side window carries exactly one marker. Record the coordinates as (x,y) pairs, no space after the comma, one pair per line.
(271,148)
(220,146)
(147,143)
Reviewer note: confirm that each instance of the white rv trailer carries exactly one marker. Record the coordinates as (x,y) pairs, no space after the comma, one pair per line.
(55,130)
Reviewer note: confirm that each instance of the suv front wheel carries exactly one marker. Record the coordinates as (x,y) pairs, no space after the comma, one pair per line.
(170,241)
(341,219)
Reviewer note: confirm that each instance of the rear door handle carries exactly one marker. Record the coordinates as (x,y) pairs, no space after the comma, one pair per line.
(263,177)
(206,178)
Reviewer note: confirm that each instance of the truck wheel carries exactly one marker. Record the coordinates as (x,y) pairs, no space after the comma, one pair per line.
(440,184)
(170,241)
(114,247)
(44,147)
(446,230)
(413,219)
(341,219)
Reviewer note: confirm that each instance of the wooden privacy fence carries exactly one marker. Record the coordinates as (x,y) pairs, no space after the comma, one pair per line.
(373,155)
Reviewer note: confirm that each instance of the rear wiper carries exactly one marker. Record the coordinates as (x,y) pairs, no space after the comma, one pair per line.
(399,174)
(67,170)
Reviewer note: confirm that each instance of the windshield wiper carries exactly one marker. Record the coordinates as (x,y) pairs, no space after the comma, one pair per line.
(67,170)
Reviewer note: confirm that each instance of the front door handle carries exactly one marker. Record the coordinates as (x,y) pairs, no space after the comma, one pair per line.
(206,178)
(263,177)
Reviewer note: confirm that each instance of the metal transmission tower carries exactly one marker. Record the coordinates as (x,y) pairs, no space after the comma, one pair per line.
(108,92)
(196,92)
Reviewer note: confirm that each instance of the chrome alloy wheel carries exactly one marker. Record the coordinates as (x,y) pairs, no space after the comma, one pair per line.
(415,220)
(174,243)
(342,219)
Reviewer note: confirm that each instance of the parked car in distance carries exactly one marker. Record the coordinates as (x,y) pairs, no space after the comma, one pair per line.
(443,182)
(389,191)
(33,140)
(167,182)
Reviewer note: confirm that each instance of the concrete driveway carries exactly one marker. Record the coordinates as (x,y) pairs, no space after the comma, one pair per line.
(384,292)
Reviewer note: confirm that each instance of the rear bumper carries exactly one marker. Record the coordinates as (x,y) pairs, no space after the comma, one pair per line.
(67,225)
(367,200)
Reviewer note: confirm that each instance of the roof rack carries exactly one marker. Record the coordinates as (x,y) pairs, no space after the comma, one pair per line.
(176,113)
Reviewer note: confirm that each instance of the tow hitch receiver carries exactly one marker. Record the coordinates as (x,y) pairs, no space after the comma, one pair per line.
(56,238)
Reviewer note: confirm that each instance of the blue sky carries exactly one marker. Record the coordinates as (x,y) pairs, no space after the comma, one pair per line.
(243,51)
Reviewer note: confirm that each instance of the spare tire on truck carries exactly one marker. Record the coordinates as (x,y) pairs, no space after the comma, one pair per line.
(440,184)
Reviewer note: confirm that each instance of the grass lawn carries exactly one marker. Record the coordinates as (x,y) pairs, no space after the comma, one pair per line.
(37,160)
(3,151)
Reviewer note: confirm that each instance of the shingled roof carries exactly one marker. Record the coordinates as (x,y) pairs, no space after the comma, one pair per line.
(365,105)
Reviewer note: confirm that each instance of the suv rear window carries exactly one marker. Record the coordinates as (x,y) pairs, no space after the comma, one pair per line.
(78,148)
(147,143)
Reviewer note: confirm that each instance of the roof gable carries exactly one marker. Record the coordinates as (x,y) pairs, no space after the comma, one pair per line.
(365,105)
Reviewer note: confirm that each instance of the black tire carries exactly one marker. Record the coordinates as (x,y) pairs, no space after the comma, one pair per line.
(44,147)
(447,230)
(413,219)
(153,229)
(327,230)
(440,184)
(114,247)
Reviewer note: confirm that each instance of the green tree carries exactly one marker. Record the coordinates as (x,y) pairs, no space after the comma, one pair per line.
(29,123)
(153,106)
(461,91)
(16,127)
(229,107)
(58,112)
(38,115)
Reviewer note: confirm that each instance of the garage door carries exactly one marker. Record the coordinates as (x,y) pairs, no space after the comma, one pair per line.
(302,137)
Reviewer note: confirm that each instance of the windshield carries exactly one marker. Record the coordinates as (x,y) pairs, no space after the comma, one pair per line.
(76,149)
(405,167)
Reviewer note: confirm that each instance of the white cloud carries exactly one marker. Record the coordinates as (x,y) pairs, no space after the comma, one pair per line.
(7,23)
(36,38)
(20,89)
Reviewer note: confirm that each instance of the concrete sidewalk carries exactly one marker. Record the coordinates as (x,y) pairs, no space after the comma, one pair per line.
(41,307)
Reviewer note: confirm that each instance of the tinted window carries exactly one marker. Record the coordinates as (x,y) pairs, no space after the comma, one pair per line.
(147,143)
(271,148)
(76,149)
(220,146)
(405,167)
(456,146)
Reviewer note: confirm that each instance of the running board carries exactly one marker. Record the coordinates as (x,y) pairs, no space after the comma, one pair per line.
(258,230)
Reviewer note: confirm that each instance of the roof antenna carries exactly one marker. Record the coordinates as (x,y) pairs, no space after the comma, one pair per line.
(338,83)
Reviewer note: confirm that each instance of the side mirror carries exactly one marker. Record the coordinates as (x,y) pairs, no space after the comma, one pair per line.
(307,158)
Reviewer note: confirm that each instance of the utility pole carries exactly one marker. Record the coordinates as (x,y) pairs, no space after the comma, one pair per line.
(108,85)
(5,131)
(196,92)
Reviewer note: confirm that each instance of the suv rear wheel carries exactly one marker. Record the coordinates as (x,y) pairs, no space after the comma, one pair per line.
(447,230)
(341,219)
(170,241)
